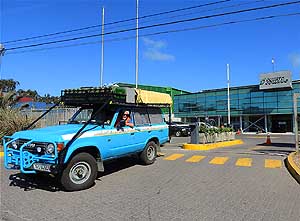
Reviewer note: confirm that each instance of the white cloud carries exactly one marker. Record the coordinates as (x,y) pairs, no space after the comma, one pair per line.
(295,59)
(153,50)
(158,56)
(154,44)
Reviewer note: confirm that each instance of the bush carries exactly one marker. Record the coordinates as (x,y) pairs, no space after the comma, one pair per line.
(203,129)
(11,121)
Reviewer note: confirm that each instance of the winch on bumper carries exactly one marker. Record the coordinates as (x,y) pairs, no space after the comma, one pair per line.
(30,156)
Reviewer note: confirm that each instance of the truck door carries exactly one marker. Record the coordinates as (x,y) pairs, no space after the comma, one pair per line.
(142,126)
(122,140)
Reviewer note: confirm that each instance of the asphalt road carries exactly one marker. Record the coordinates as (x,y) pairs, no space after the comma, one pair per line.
(245,182)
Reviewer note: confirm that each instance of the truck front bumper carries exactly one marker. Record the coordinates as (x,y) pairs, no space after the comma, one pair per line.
(26,161)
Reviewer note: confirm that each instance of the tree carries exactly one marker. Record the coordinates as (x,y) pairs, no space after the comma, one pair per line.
(29,93)
(7,85)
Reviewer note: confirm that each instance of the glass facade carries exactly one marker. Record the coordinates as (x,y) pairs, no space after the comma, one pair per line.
(244,101)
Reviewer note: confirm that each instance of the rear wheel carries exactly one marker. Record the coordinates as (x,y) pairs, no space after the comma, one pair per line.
(80,172)
(148,155)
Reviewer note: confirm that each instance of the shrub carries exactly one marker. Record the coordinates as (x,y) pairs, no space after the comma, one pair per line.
(11,121)
(11,118)
(202,129)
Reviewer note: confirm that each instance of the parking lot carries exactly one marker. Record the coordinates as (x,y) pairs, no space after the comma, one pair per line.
(244,182)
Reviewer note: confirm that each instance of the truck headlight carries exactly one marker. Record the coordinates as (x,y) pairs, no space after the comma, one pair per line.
(50,149)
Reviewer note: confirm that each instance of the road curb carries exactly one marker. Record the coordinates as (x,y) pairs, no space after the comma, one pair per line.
(292,167)
(211,146)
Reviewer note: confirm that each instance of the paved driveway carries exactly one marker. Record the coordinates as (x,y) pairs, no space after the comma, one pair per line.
(246,182)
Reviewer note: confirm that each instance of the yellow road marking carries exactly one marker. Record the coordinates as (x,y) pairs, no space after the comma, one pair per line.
(174,156)
(211,146)
(272,163)
(244,162)
(1,154)
(195,159)
(219,160)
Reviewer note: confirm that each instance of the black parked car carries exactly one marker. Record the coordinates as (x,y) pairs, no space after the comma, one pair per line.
(179,129)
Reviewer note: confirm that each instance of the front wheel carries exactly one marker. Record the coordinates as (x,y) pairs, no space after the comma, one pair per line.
(149,153)
(80,172)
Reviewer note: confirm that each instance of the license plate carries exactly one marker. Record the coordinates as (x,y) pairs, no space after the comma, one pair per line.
(42,167)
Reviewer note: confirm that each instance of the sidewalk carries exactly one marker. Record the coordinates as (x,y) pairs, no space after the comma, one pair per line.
(293,165)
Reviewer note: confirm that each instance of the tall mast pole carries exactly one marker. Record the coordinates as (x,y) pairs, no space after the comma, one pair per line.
(228,94)
(137,45)
(102,49)
(273,65)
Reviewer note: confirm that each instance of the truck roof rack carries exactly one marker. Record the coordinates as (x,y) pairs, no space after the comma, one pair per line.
(92,96)
(87,96)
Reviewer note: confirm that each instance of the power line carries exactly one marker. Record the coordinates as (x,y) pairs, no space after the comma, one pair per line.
(117,22)
(161,32)
(159,19)
(157,25)
(119,26)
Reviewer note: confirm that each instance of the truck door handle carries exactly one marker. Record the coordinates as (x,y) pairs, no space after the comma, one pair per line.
(109,140)
(149,131)
(132,134)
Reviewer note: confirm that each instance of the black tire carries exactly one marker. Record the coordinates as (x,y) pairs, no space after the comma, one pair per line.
(82,164)
(149,153)
(177,133)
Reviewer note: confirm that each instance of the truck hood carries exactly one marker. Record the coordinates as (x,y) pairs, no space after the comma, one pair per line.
(57,133)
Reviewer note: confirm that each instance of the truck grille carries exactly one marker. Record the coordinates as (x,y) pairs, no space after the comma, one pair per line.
(32,147)
(19,143)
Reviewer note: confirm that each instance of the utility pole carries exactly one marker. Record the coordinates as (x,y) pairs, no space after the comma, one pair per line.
(296,129)
(273,65)
(102,50)
(2,50)
(228,95)
(137,45)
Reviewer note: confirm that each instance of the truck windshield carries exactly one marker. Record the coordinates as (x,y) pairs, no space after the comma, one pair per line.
(84,114)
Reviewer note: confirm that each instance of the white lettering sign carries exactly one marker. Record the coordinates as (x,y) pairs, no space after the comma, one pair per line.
(280,79)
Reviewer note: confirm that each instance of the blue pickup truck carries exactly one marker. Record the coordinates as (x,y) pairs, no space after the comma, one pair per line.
(97,132)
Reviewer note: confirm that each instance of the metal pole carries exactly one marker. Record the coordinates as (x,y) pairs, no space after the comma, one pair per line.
(102,49)
(137,45)
(0,66)
(273,63)
(266,123)
(2,49)
(228,95)
(296,121)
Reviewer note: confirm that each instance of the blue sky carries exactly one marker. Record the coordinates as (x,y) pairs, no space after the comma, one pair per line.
(192,60)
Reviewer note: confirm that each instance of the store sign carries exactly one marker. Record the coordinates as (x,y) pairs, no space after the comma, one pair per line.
(280,79)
